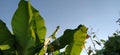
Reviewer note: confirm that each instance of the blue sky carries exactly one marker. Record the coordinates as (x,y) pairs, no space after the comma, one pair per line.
(101,15)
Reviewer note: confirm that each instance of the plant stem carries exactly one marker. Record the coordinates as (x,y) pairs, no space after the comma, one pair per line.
(92,43)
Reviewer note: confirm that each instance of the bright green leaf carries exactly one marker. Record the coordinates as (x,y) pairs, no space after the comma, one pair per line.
(39,25)
(56,52)
(28,25)
(4,47)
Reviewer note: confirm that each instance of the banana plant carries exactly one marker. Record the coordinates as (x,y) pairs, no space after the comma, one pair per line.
(29,31)
(73,39)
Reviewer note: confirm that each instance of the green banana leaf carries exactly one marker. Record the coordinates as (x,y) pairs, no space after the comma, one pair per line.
(75,47)
(6,40)
(39,26)
(27,25)
(40,30)
(65,39)
(5,35)
(73,38)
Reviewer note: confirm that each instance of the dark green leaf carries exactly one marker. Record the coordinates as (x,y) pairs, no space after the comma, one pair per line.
(90,51)
(73,38)
(102,40)
(98,42)
(94,36)
(5,35)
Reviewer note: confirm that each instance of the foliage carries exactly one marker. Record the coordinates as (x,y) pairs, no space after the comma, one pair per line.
(112,46)
(6,40)
(28,37)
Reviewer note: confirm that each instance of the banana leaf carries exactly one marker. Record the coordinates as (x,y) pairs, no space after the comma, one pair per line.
(27,26)
(5,35)
(73,38)
(74,48)
(6,40)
